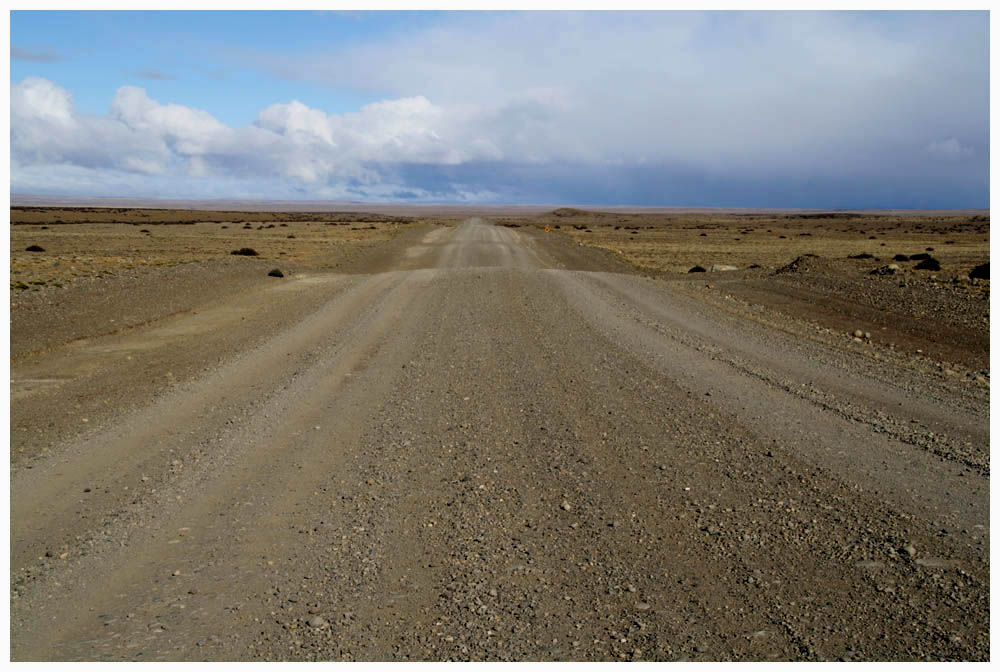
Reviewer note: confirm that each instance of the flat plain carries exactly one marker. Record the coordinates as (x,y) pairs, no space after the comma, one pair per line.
(521,435)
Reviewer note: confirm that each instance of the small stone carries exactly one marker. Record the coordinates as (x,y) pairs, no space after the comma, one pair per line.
(566,506)
(317,622)
(910,550)
(642,606)
(891,269)
(858,333)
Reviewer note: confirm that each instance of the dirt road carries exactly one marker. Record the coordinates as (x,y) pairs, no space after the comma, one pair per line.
(495,445)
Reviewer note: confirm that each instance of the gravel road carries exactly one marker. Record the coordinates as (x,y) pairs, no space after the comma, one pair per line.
(490,444)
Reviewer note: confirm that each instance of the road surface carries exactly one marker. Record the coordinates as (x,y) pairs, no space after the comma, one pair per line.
(485,449)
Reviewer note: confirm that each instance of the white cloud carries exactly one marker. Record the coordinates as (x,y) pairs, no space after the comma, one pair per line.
(188,131)
(718,96)
(287,140)
(41,99)
(296,121)
(781,90)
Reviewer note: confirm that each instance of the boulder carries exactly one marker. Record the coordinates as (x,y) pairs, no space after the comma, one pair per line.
(981,272)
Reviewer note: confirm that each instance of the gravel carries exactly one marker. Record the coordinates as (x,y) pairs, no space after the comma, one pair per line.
(498,453)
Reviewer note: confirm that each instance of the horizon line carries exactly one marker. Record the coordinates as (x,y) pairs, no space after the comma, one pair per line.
(179,203)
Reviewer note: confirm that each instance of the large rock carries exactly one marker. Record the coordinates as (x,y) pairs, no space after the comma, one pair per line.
(723,267)
(928,264)
(981,272)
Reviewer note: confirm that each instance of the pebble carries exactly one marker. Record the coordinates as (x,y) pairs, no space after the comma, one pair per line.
(858,333)
(566,506)
(910,550)
(317,622)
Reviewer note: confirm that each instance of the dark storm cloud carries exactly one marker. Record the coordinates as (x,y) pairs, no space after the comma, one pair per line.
(686,185)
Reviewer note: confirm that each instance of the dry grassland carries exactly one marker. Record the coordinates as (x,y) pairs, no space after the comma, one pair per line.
(89,242)
(676,243)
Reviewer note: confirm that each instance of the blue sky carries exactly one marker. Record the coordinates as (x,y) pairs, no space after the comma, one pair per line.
(765,109)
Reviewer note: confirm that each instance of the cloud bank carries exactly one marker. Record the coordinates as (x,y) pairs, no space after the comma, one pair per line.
(765,110)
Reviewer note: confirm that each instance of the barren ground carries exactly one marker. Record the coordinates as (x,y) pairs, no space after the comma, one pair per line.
(478,440)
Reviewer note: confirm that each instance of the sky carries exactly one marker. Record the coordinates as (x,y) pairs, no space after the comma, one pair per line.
(713,109)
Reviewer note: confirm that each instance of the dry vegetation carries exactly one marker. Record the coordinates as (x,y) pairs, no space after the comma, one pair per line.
(677,242)
(89,242)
